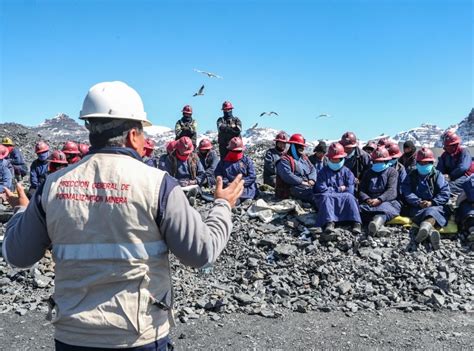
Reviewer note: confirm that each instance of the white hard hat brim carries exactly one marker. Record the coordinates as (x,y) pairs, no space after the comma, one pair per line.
(145,122)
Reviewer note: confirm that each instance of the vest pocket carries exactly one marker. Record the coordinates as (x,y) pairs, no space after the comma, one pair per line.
(144,298)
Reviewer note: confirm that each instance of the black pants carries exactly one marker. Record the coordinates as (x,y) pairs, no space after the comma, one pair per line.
(223,150)
(163,344)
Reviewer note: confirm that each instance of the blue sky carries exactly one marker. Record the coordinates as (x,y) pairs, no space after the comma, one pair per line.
(376,66)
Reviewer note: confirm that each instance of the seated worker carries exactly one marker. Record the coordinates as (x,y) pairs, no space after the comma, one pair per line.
(455,163)
(209,161)
(272,156)
(427,192)
(408,159)
(465,211)
(184,165)
(318,158)
(57,161)
(17,161)
(334,193)
(357,160)
(83,149)
(71,150)
(170,146)
(148,157)
(395,154)
(378,192)
(235,163)
(296,175)
(6,176)
(39,167)
(370,147)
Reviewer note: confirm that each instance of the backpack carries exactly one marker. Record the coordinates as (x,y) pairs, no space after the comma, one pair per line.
(282,189)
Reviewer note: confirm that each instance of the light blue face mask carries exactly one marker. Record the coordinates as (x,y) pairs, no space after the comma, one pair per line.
(380,167)
(335,166)
(351,154)
(294,153)
(393,162)
(424,169)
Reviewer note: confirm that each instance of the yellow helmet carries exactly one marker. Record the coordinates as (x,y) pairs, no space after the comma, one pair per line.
(7,141)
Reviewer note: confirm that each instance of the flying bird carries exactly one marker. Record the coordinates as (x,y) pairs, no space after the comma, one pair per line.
(322,115)
(200,91)
(209,74)
(269,113)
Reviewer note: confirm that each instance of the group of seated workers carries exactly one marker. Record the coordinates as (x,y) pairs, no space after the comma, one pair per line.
(346,184)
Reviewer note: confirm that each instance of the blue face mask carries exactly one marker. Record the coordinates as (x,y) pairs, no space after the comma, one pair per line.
(393,162)
(43,156)
(424,169)
(335,166)
(294,153)
(380,167)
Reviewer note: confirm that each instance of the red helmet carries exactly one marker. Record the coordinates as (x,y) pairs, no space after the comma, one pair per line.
(170,146)
(297,139)
(348,139)
(227,105)
(41,147)
(3,152)
(71,148)
(184,146)
(149,144)
(336,150)
(235,144)
(425,155)
(205,144)
(380,154)
(393,150)
(451,139)
(187,109)
(58,157)
(83,149)
(281,136)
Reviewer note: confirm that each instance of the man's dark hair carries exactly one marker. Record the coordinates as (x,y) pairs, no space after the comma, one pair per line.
(110,132)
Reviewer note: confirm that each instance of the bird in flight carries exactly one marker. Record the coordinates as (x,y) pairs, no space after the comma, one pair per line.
(269,113)
(209,74)
(200,91)
(323,115)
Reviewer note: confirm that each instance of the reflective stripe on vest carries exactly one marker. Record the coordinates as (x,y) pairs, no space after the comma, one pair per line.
(123,251)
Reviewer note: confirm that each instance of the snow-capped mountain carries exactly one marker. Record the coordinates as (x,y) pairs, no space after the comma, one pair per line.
(465,129)
(425,135)
(62,127)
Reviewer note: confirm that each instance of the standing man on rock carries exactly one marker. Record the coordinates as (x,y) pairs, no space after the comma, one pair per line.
(186,125)
(228,127)
(111,230)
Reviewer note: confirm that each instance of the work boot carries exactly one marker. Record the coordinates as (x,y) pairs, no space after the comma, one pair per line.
(376,223)
(356,228)
(330,227)
(435,239)
(424,232)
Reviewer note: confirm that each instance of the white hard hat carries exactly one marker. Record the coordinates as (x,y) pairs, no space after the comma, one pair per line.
(113,100)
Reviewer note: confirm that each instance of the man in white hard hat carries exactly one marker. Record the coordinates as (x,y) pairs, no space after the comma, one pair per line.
(111,221)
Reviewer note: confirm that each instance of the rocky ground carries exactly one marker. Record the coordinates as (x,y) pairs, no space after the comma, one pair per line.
(282,284)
